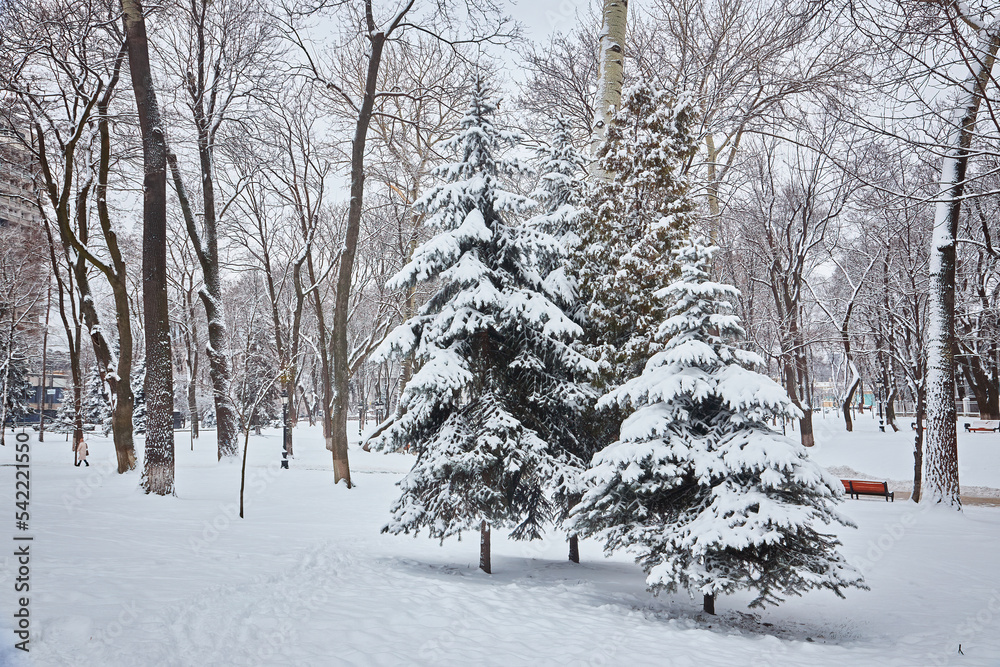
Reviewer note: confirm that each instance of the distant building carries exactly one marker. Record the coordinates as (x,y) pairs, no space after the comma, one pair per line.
(17,183)
(58,386)
(24,260)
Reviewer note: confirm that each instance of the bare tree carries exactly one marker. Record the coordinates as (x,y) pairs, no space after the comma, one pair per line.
(219,50)
(363,104)
(938,70)
(793,205)
(70,141)
(840,315)
(158,466)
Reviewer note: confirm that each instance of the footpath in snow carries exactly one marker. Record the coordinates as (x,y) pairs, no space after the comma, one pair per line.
(119,578)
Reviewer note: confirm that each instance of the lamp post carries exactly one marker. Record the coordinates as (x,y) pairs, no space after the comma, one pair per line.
(284,429)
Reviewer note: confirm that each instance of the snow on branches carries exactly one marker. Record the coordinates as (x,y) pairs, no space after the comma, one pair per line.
(636,213)
(705,494)
(489,408)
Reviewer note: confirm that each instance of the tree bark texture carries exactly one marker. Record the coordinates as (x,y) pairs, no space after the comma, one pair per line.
(942,483)
(484,548)
(614,16)
(158,472)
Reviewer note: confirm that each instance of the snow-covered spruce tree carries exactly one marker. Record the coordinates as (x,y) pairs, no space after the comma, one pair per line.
(17,389)
(139,391)
(560,194)
(65,419)
(636,212)
(698,487)
(495,390)
(96,407)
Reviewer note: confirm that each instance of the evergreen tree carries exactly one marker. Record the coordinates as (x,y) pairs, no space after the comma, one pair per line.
(698,486)
(17,389)
(139,391)
(257,394)
(65,419)
(560,194)
(495,390)
(96,406)
(636,212)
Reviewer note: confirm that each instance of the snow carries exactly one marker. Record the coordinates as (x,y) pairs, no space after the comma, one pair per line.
(120,578)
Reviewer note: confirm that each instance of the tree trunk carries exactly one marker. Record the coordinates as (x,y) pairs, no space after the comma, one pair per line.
(71,326)
(709,604)
(124,405)
(918,445)
(802,373)
(191,349)
(218,367)
(341,352)
(206,248)
(796,375)
(610,70)
(890,409)
(849,399)
(574,549)
(158,472)
(288,365)
(942,439)
(983,385)
(211,296)
(45,354)
(484,547)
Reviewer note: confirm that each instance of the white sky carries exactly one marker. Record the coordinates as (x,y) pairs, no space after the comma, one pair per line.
(541,17)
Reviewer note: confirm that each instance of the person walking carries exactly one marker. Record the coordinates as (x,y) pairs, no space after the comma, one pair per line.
(80,450)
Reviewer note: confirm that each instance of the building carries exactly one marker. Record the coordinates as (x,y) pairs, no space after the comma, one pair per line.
(17,185)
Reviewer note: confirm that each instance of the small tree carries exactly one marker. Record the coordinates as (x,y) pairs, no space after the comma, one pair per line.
(139,391)
(96,407)
(698,486)
(17,389)
(495,392)
(560,191)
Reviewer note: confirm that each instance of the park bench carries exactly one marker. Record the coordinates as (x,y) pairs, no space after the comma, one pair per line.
(983,426)
(858,488)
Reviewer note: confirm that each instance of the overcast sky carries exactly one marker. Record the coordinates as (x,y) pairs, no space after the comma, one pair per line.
(541,17)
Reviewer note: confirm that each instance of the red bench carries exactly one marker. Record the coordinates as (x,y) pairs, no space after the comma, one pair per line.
(983,426)
(858,488)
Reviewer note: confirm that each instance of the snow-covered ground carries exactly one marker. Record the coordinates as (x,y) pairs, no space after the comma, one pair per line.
(119,578)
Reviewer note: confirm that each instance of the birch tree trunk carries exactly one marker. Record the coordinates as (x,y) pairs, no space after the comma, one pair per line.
(158,469)
(610,71)
(941,483)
